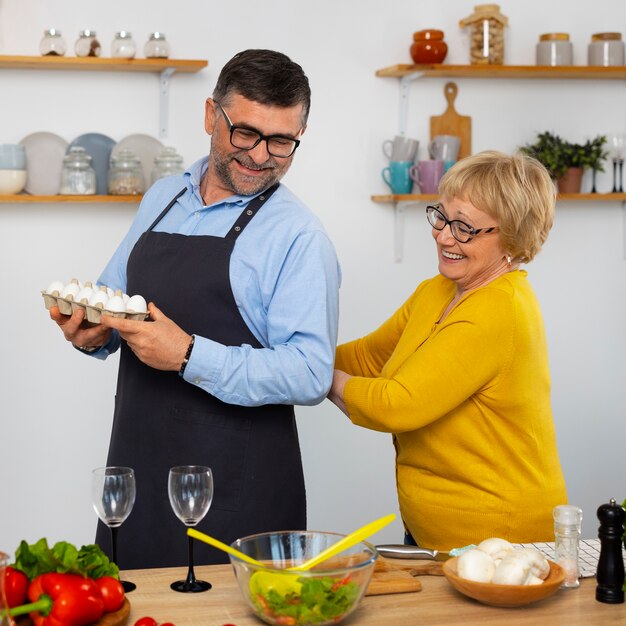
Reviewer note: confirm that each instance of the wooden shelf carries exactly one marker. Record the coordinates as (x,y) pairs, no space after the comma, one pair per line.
(429,197)
(24,198)
(505,71)
(100,64)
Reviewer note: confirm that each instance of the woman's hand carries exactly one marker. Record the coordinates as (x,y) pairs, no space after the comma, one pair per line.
(335,394)
(75,331)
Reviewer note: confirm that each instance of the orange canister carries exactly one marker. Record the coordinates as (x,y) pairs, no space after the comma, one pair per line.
(428,47)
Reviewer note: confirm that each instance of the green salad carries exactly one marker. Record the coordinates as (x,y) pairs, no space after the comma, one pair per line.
(320,600)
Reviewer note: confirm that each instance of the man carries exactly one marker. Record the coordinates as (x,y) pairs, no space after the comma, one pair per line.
(243,284)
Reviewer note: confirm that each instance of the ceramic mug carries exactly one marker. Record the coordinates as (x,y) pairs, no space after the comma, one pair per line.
(445,148)
(427,175)
(398,177)
(400,148)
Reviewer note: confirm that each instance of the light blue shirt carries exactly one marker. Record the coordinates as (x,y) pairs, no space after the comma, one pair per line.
(285,279)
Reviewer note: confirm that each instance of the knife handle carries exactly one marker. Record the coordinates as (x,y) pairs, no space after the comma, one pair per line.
(401,551)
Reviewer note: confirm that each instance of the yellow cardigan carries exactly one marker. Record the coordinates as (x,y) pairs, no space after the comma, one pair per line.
(468,403)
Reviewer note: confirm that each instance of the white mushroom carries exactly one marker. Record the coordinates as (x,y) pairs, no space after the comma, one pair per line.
(521,567)
(476,565)
(496,548)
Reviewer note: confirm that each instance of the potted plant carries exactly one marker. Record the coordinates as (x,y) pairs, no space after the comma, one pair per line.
(566,161)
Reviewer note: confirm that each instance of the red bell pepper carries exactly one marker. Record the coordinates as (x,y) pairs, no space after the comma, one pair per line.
(63,600)
(15,586)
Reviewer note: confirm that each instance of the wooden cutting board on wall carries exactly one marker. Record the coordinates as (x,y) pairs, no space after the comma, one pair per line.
(451,123)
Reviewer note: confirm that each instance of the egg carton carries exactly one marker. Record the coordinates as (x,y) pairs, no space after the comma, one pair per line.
(93,313)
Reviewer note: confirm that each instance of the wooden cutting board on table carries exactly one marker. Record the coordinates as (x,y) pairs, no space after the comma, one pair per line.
(389,577)
(451,123)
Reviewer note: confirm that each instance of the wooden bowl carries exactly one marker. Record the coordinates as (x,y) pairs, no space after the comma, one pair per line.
(504,595)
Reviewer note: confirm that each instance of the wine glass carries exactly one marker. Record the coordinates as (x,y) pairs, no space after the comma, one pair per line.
(190,488)
(113,495)
(617,153)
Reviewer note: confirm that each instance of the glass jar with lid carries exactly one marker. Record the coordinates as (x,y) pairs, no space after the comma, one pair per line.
(87,44)
(487,34)
(125,174)
(554,49)
(606,49)
(156,47)
(52,43)
(123,46)
(78,178)
(167,163)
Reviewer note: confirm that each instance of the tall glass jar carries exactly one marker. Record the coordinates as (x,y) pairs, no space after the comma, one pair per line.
(167,163)
(123,46)
(52,44)
(125,174)
(487,34)
(87,44)
(157,47)
(78,178)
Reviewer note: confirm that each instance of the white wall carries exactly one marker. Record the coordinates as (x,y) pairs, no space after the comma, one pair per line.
(56,407)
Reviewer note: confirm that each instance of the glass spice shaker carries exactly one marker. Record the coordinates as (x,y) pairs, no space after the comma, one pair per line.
(125,174)
(123,46)
(487,34)
(52,44)
(87,45)
(78,178)
(166,163)
(156,47)
(567,526)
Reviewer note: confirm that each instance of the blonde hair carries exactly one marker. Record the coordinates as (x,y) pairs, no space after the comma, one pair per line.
(516,191)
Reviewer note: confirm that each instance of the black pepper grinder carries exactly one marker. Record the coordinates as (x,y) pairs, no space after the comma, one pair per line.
(610,573)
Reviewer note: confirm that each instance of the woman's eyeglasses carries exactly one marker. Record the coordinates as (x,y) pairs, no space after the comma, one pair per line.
(461,231)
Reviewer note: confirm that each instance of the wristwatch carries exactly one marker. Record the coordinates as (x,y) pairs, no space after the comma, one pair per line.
(88,349)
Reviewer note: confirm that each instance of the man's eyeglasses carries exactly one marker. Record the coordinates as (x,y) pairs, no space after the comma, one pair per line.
(248,138)
(461,231)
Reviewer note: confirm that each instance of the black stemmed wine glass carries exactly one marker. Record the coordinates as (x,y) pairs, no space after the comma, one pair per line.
(113,496)
(190,488)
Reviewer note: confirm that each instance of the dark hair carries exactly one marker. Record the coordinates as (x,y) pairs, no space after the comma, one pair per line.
(267,77)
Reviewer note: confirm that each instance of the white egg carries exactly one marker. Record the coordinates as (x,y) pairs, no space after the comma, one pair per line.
(71,289)
(84,295)
(98,298)
(115,305)
(137,304)
(125,297)
(55,285)
(110,292)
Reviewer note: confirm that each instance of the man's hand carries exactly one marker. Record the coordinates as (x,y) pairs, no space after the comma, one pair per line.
(75,330)
(161,344)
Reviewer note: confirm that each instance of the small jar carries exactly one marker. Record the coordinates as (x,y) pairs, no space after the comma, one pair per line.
(606,49)
(428,47)
(125,174)
(554,49)
(166,163)
(567,528)
(123,46)
(52,44)
(156,47)
(78,178)
(87,45)
(487,34)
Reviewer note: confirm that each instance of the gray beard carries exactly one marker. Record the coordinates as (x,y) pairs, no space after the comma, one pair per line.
(250,186)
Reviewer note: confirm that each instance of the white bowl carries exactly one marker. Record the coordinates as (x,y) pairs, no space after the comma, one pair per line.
(12,181)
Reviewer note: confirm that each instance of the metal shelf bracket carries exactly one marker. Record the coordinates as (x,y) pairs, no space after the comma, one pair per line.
(403,113)
(164,100)
(399,215)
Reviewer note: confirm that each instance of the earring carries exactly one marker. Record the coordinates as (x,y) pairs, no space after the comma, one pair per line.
(508,260)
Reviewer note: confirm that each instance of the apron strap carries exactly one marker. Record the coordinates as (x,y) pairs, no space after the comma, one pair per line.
(248,213)
(167,208)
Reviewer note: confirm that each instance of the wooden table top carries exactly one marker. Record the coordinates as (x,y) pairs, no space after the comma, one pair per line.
(437,603)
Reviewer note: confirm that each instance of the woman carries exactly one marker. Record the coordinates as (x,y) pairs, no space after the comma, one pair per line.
(459,374)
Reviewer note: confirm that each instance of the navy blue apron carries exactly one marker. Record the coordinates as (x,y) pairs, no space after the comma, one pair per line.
(161,420)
